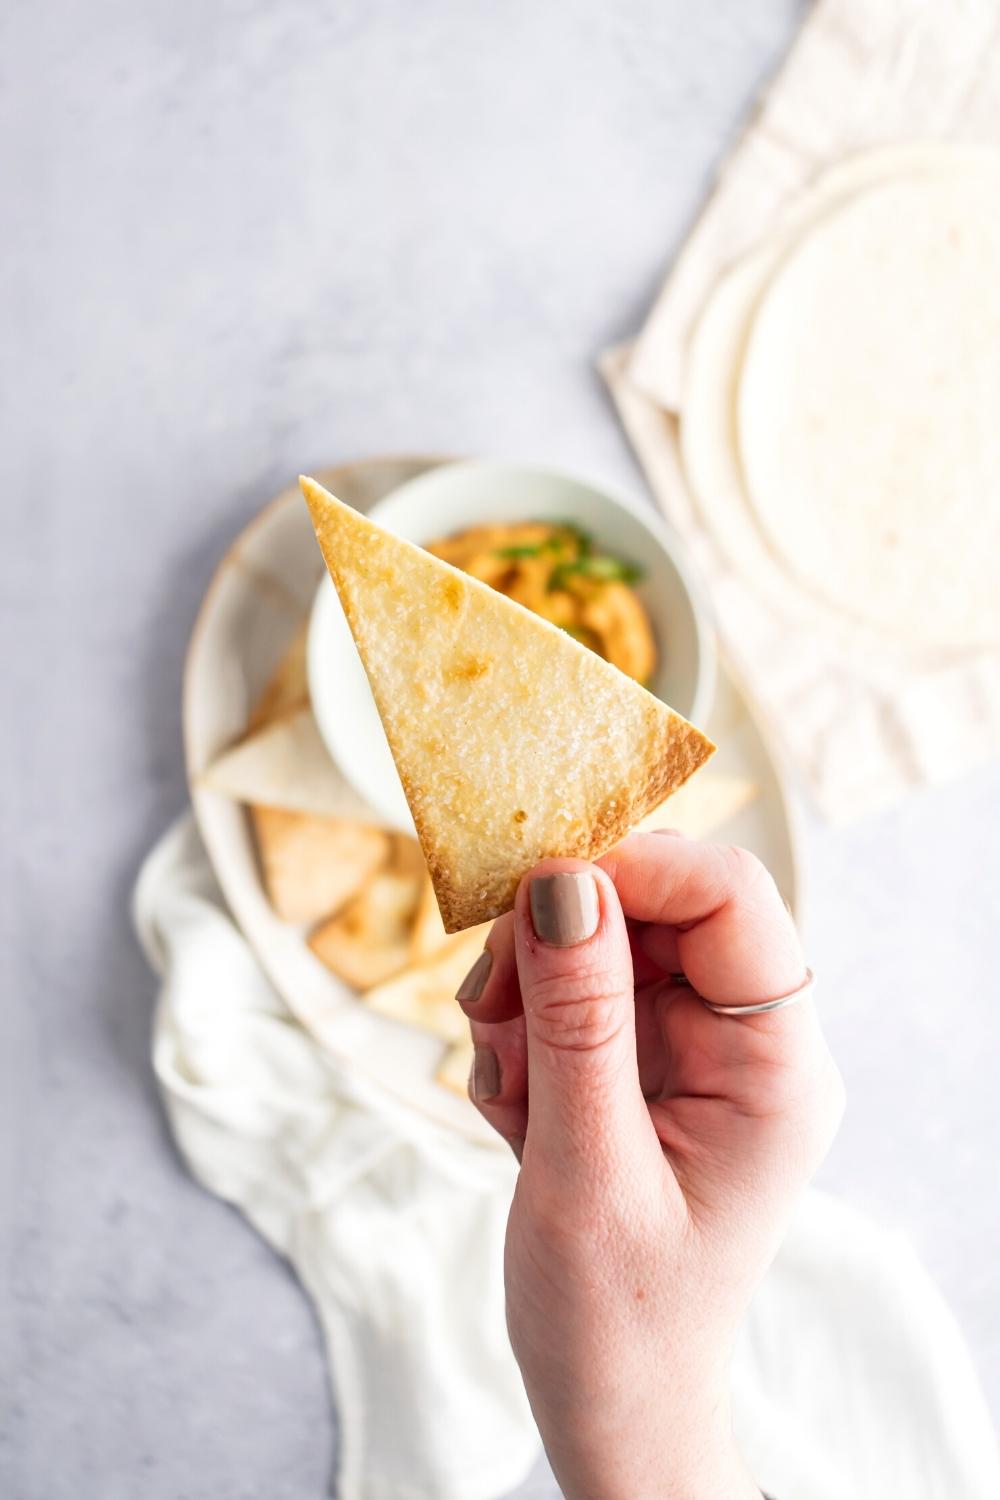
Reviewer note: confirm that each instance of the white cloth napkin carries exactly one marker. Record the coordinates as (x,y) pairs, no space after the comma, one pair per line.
(851,1378)
(393,1226)
(863,719)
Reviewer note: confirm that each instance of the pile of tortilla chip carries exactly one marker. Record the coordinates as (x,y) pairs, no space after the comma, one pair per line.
(362,891)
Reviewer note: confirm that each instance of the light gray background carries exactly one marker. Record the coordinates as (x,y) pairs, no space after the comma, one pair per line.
(242,239)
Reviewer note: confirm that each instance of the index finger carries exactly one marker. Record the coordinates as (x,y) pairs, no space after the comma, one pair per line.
(734,937)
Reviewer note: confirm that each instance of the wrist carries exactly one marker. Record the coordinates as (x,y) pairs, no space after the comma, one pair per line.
(662,1457)
(659,1477)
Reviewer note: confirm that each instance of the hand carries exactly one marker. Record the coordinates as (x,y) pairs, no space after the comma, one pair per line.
(663,1148)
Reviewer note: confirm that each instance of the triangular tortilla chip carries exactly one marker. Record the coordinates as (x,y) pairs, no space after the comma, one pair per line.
(702,805)
(424,995)
(286,764)
(512,740)
(370,939)
(288,686)
(311,865)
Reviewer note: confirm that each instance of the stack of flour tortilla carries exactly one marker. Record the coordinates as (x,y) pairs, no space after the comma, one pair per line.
(816,401)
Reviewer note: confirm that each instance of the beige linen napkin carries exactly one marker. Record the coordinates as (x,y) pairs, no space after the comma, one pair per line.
(862,718)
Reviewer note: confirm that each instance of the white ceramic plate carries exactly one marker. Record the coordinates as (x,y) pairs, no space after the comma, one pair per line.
(452,497)
(261,592)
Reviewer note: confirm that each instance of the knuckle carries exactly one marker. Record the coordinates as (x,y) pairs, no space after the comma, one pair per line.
(735,874)
(745,870)
(577,1014)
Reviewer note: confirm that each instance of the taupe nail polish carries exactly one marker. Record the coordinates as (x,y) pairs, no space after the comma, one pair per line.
(565,908)
(485,1075)
(473,984)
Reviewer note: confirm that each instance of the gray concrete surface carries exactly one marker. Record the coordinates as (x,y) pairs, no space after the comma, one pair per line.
(243,239)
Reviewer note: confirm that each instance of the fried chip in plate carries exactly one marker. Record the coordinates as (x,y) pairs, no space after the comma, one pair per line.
(370,939)
(286,764)
(423,994)
(311,865)
(288,686)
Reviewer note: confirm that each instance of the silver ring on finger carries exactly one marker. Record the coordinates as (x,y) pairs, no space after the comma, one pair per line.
(760,1007)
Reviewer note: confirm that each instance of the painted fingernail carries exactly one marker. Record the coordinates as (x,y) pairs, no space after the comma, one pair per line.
(516,1144)
(473,984)
(485,1081)
(565,909)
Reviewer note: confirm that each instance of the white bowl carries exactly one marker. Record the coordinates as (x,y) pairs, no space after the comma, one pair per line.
(455,496)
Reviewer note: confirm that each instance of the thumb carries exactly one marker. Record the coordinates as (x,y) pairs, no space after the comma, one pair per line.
(575,972)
